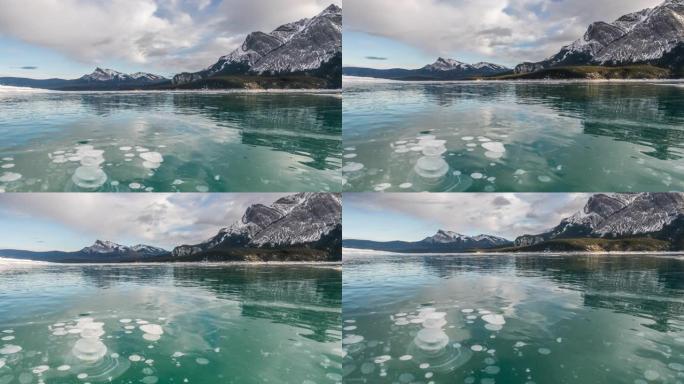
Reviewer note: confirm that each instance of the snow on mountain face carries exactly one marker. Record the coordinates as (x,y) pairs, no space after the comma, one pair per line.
(443,64)
(300,46)
(637,37)
(449,237)
(293,220)
(616,215)
(101,74)
(108,247)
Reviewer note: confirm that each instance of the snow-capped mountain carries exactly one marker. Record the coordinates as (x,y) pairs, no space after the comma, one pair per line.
(100,74)
(618,216)
(442,241)
(302,47)
(479,241)
(443,64)
(110,248)
(646,36)
(441,69)
(304,220)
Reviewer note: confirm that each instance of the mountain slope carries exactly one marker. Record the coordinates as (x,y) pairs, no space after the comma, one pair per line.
(644,37)
(620,216)
(306,222)
(99,79)
(442,69)
(442,241)
(308,47)
(99,252)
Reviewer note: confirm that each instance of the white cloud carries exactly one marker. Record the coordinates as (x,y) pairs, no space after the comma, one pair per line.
(504,30)
(158,219)
(177,35)
(502,214)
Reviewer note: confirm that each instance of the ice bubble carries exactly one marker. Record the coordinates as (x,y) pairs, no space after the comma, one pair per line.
(151,337)
(141,149)
(367,368)
(544,351)
(494,319)
(7,338)
(63,368)
(493,155)
(177,354)
(8,166)
(431,339)
(401,321)
(82,376)
(89,177)
(405,357)
(150,380)
(477,347)
(89,349)
(59,332)
(2,363)
(352,167)
(350,149)
(349,155)
(519,172)
(125,321)
(202,188)
(381,187)
(202,361)
(153,329)
(467,138)
(135,186)
(177,182)
(9,177)
(467,310)
(492,370)
(405,185)
(471,145)
(152,157)
(40,369)
(349,328)
(11,158)
(10,349)
(129,155)
(651,375)
(493,327)
(676,367)
(494,146)
(432,167)
(402,149)
(134,358)
(476,175)
(352,339)
(559,340)
(382,359)
(544,179)
(125,149)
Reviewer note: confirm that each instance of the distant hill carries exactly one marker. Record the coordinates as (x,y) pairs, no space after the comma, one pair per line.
(442,241)
(442,69)
(99,80)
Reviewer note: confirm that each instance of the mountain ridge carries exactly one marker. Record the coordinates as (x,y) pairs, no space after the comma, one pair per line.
(441,69)
(642,37)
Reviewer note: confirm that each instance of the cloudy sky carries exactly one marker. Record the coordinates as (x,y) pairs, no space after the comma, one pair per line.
(68,38)
(414,216)
(70,221)
(412,33)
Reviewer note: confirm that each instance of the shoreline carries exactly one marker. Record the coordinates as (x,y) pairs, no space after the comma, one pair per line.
(5,261)
(371,252)
(370,80)
(316,91)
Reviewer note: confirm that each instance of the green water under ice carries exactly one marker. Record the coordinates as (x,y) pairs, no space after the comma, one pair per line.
(170,324)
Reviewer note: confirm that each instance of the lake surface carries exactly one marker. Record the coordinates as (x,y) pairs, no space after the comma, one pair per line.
(170,324)
(508,136)
(513,319)
(170,141)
